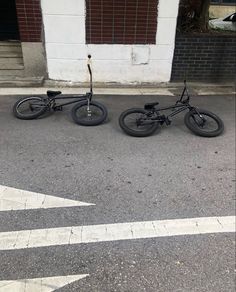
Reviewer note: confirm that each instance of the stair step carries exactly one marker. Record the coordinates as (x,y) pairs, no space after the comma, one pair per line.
(10,43)
(11,63)
(20,81)
(10,47)
(10,55)
(11,73)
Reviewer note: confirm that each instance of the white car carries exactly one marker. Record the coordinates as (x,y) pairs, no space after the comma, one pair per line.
(226,23)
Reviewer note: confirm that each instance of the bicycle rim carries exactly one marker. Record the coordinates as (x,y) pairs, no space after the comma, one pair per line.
(89,114)
(30,106)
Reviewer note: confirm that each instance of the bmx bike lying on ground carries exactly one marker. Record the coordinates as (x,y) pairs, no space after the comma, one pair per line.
(140,122)
(85,112)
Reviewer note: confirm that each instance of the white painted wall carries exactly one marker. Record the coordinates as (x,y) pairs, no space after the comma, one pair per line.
(64,26)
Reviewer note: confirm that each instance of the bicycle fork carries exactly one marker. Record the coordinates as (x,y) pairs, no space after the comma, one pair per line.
(89,112)
(203,120)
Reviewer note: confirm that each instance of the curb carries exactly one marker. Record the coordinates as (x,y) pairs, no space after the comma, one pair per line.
(36,85)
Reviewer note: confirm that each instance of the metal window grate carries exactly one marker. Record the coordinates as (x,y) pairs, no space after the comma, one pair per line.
(121,21)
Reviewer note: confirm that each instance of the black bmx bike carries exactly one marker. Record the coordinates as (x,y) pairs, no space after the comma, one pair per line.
(85,112)
(140,122)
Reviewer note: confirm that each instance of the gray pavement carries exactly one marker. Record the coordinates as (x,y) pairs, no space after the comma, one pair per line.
(172,174)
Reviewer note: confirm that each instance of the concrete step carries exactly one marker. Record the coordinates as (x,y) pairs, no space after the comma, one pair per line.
(14,47)
(10,54)
(9,43)
(11,63)
(11,49)
(11,73)
(21,81)
(11,57)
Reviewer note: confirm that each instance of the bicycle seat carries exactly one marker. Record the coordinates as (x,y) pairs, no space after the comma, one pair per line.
(51,93)
(150,105)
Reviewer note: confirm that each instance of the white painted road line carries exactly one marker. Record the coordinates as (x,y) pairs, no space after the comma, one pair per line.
(48,284)
(15,199)
(112,232)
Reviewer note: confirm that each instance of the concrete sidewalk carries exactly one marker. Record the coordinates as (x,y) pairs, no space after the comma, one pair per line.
(169,89)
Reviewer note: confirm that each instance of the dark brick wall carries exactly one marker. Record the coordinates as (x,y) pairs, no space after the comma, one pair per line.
(29,20)
(204,58)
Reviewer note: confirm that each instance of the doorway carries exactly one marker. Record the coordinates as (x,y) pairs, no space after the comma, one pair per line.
(8,21)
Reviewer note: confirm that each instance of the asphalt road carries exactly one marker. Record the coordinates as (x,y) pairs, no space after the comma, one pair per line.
(170,175)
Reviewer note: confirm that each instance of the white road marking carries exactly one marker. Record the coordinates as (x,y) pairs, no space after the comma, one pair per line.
(48,284)
(15,199)
(111,232)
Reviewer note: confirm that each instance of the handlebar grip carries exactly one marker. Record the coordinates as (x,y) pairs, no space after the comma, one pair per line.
(89,60)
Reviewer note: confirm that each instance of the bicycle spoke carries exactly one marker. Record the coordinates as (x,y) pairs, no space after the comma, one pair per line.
(89,114)
(134,121)
(30,107)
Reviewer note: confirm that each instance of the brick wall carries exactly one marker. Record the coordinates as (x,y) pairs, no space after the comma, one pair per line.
(121,21)
(204,58)
(29,20)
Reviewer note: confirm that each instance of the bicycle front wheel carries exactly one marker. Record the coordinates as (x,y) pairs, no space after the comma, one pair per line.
(28,108)
(135,122)
(204,123)
(91,115)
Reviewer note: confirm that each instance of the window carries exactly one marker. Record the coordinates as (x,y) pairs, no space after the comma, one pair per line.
(224,2)
(121,21)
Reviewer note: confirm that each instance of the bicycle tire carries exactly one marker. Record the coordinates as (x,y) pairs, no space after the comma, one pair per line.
(35,109)
(96,115)
(193,126)
(150,129)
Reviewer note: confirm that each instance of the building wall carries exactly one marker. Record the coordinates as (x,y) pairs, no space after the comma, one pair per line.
(66,48)
(206,58)
(29,20)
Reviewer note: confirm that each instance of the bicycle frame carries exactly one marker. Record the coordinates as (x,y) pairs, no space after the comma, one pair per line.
(88,96)
(179,110)
(180,106)
(77,97)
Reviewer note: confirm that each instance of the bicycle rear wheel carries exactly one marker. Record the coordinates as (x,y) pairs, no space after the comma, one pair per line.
(28,108)
(204,123)
(91,115)
(132,122)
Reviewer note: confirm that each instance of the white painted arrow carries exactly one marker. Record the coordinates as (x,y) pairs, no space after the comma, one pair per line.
(111,232)
(48,284)
(15,199)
